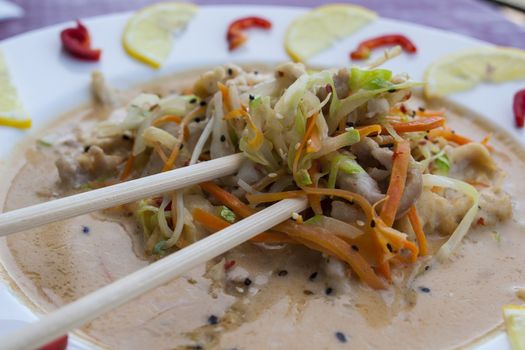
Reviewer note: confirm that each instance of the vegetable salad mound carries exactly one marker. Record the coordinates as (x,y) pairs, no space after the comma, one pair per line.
(389,184)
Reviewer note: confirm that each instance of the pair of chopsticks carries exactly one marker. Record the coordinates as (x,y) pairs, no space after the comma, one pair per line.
(121,291)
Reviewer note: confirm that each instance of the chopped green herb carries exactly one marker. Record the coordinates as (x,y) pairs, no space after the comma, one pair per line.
(159,247)
(44,143)
(496,235)
(227,214)
(442,165)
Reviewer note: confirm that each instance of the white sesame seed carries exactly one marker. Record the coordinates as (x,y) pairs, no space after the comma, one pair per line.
(295,216)
(360,223)
(309,142)
(272,175)
(297,145)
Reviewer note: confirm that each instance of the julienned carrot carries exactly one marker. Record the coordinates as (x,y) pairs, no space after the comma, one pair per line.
(423,124)
(449,135)
(272,196)
(167,119)
(216,223)
(364,131)
(429,113)
(127,168)
(397,181)
(418,230)
(381,246)
(258,137)
(228,199)
(225,96)
(328,242)
(310,124)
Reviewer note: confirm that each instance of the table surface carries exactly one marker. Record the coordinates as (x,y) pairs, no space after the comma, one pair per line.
(470,17)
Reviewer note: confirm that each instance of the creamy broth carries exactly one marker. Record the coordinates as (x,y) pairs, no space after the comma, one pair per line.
(282,298)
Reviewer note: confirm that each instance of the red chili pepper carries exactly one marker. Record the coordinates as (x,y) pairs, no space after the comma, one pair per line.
(77,42)
(236,37)
(228,264)
(57,344)
(519,108)
(364,49)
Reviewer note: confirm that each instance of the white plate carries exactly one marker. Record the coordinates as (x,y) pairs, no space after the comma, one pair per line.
(49,82)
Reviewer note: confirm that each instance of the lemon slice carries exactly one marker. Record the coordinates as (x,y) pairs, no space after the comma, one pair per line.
(320,28)
(12,112)
(515,323)
(464,70)
(148,33)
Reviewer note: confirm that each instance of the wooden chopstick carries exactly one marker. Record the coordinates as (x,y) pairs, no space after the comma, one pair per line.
(125,192)
(121,291)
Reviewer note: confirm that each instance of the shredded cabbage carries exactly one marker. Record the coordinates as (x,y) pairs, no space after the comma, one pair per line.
(461,230)
(345,163)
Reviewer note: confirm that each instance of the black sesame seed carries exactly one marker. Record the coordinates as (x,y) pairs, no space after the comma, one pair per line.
(307,292)
(413,114)
(282,273)
(426,137)
(372,223)
(85,230)
(424,289)
(247,281)
(126,137)
(421,109)
(354,247)
(313,276)
(86,148)
(223,138)
(213,319)
(197,120)
(389,247)
(328,290)
(255,72)
(203,103)
(181,146)
(252,97)
(193,100)
(427,268)
(392,90)
(340,336)
(349,124)
(230,71)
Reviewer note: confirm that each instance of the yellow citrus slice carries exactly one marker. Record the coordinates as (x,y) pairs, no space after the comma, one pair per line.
(148,33)
(320,28)
(12,112)
(514,316)
(464,70)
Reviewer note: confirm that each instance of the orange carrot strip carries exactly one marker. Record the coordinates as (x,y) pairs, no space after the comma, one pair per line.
(225,96)
(424,124)
(448,135)
(418,230)
(166,119)
(302,233)
(228,199)
(127,168)
(330,243)
(272,196)
(429,113)
(364,131)
(397,181)
(310,124)
(215,223)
